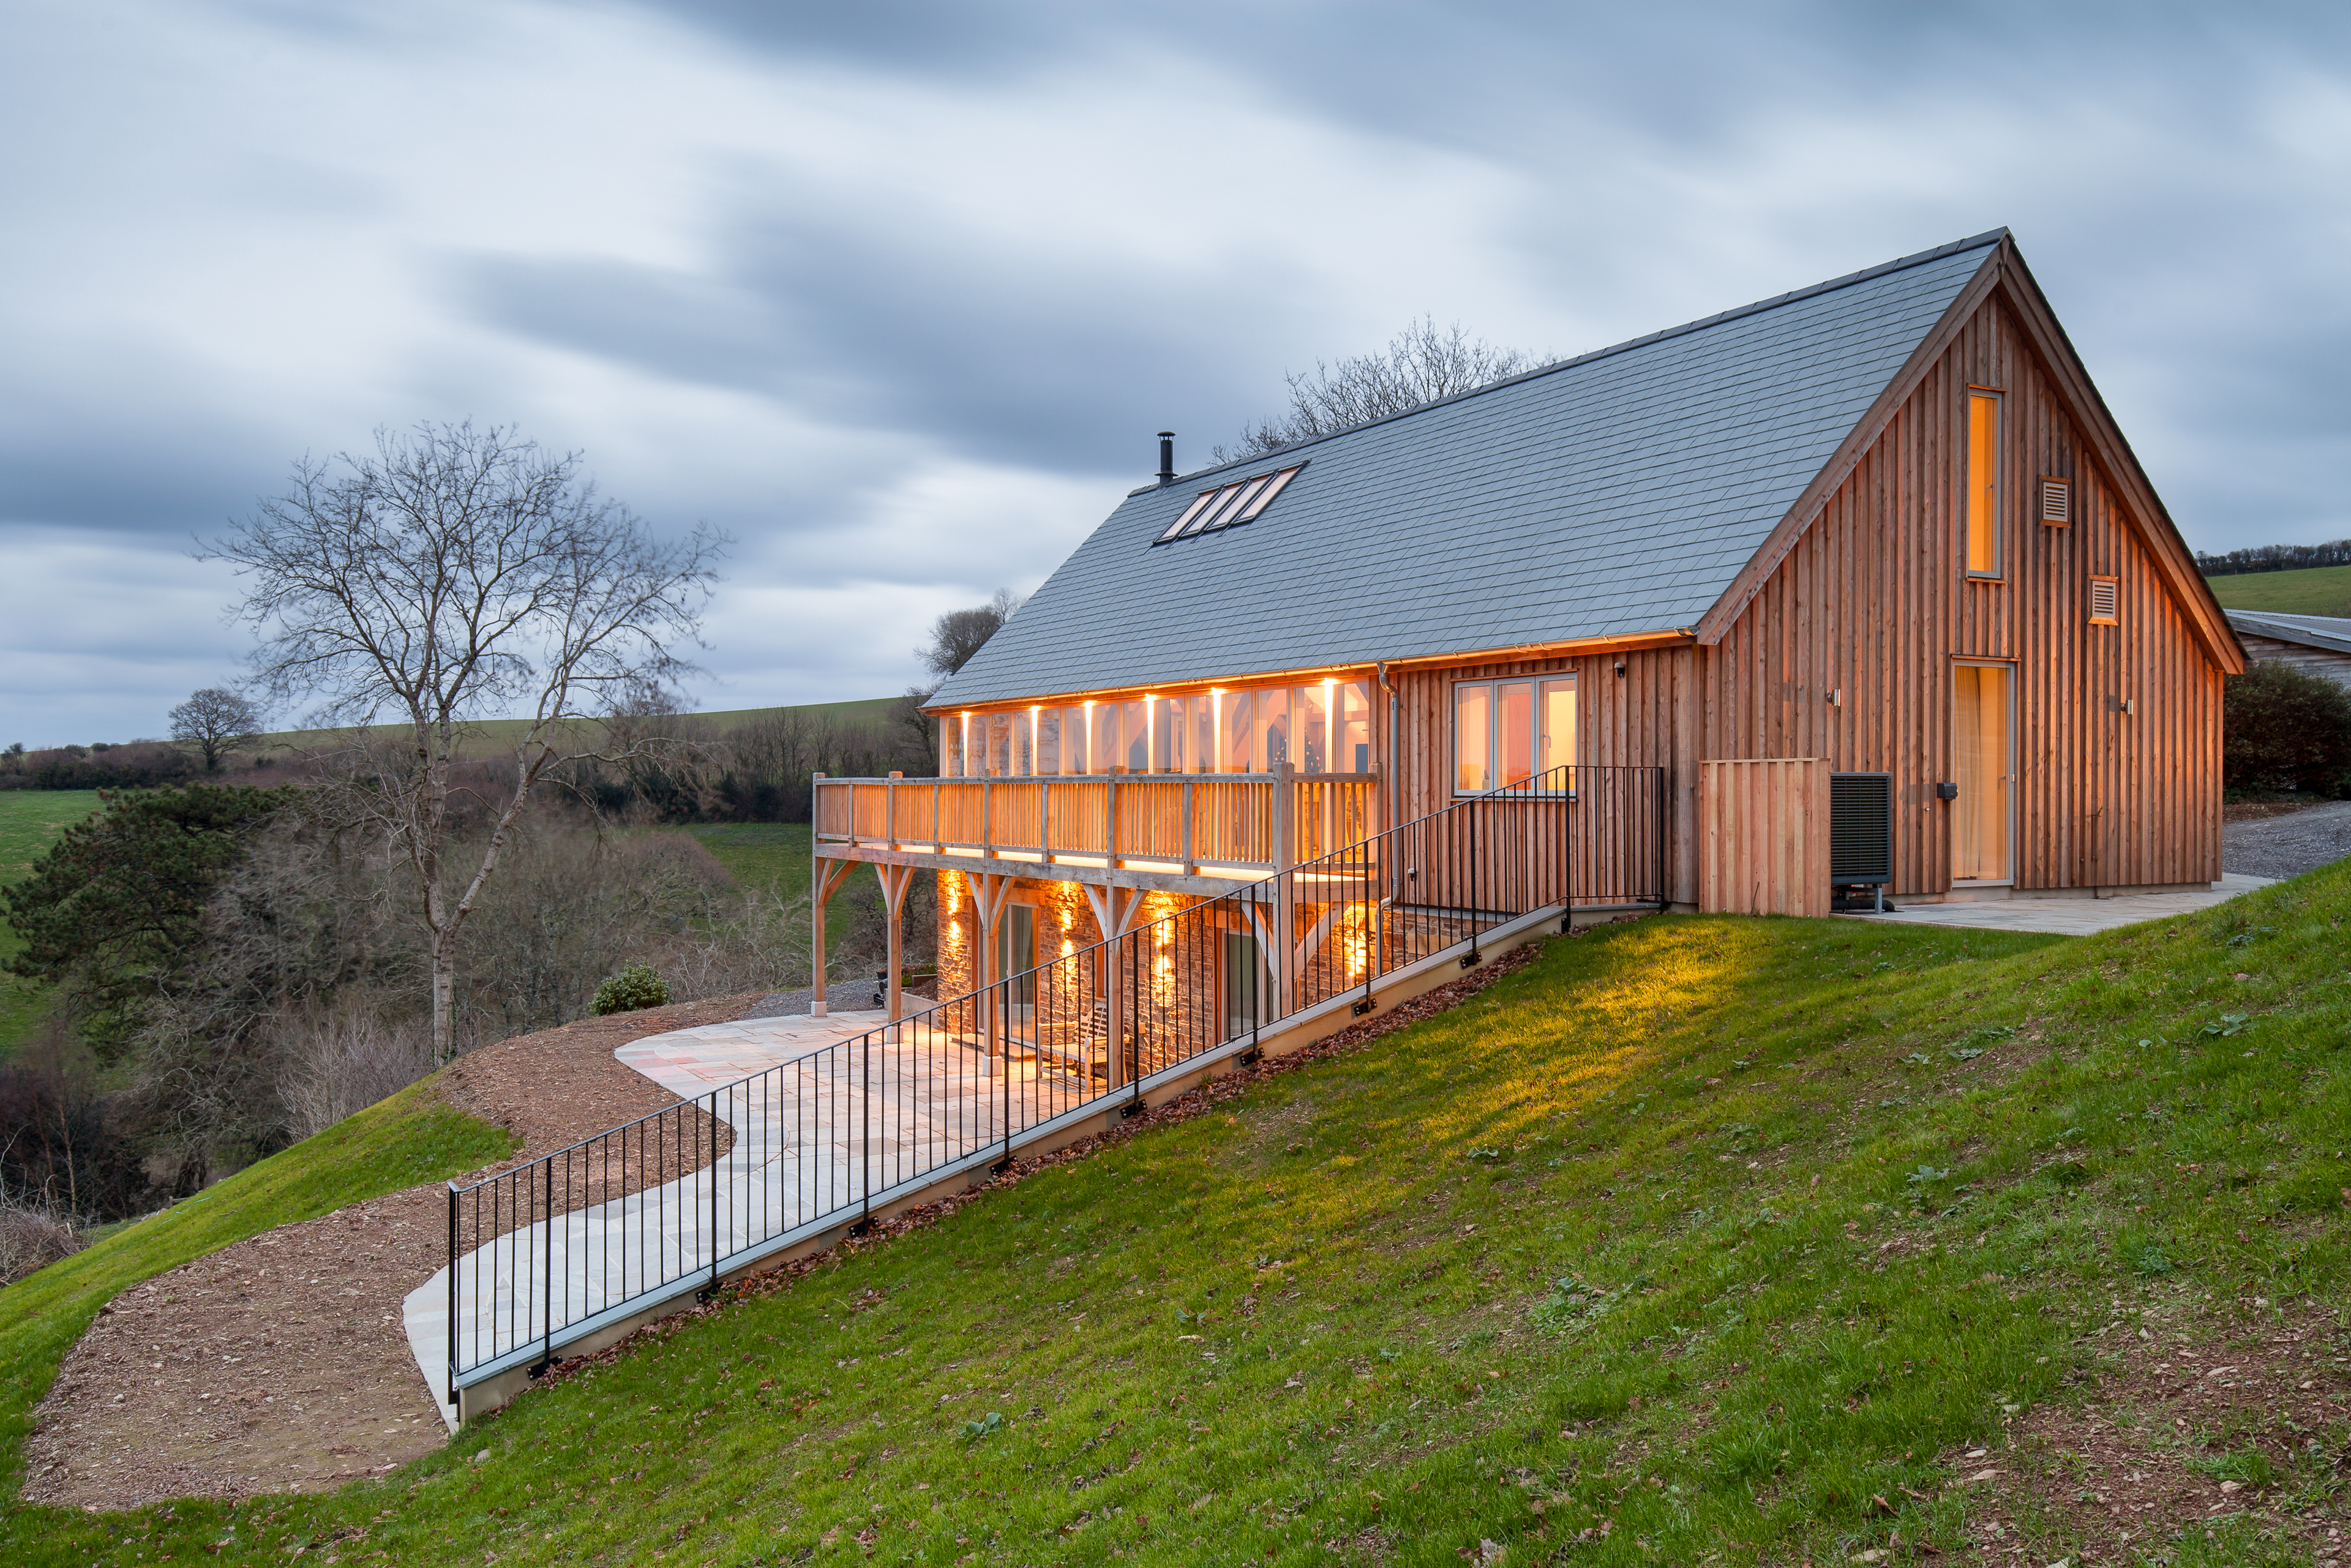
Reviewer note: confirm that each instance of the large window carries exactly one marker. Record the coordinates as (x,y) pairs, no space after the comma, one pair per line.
(1324,728)
(1512,735)
(1984,483)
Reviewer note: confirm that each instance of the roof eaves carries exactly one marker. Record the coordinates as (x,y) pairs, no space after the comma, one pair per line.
(1989,238)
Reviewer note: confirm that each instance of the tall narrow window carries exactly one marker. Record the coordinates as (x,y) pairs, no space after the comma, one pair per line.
(1473,738)
(1983,484)
(1354,727)
(1557,741)
(1514,734)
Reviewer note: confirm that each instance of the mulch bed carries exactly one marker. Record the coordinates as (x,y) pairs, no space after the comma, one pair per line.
(2147,1450)
(280,1363)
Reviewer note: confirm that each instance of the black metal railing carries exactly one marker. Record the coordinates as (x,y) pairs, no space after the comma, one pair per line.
(543,1254)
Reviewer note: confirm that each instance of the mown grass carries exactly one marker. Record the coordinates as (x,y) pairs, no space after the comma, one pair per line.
(2314,590)
(1686,1244)
(407,1139)
(776,856)
(30,821)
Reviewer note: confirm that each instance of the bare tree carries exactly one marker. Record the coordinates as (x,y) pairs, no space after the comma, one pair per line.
(956,635)
(455,575)
(1419,365)
(215,721)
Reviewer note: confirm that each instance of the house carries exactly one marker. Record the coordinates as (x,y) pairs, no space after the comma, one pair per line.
(1883,528)
(2315,645)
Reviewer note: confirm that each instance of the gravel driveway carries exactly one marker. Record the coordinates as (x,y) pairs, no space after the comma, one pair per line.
(2288,846)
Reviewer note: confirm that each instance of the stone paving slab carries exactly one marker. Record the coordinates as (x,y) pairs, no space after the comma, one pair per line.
(2068,917)
(813,1126)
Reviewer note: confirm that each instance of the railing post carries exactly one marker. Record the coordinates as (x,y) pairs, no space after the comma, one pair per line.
(1044,819)
(452,1293)
(1191,807)
(1285,889)
(1567,850)
(1109,821)
(890,810)
(713,1168)
(865,1121)
(1470,816)
(546,1266)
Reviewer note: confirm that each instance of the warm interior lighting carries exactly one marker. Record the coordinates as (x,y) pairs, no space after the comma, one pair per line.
(1983,485)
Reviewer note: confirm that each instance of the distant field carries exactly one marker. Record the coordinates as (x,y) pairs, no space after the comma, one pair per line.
(776,855)
(30,821)
(491,735)
(2318,591)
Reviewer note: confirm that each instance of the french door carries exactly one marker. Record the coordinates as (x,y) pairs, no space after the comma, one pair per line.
(1984,744)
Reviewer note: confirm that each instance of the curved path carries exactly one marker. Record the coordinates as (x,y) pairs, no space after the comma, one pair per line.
(803,1140)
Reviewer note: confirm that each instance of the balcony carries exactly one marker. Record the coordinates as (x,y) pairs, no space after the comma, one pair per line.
(1174,832)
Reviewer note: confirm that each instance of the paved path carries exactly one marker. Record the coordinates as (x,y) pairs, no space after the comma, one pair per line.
(2068,917)
(2290,845)
(808,1137)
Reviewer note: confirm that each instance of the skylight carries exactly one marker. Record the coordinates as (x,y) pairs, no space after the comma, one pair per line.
(1242,501)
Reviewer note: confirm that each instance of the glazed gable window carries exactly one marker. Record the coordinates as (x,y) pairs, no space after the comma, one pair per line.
(1982,509)
(1513,734)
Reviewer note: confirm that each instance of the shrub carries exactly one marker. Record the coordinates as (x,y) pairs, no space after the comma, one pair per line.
(30,1239)
(2283,729)
(633,987)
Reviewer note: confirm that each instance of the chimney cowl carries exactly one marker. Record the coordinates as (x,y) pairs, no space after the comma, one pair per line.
(1166,458)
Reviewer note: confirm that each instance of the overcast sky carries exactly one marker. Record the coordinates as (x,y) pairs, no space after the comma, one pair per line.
(898,293)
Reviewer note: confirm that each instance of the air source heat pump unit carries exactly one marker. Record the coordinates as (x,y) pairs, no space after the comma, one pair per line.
(1861,836)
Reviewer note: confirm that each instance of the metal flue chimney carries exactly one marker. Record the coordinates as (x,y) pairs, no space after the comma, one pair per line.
(1166,458)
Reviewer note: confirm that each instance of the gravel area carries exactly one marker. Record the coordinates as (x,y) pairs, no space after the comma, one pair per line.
(280,1363)
(2288,845)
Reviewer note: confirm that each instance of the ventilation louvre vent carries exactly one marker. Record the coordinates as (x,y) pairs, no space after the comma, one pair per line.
(1861,829)
(2056,502)
(2105,602)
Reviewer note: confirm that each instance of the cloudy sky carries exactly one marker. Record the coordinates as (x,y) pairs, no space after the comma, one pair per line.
(897,293)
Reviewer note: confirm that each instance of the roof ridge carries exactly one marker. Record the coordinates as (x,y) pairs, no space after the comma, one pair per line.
(1900,264)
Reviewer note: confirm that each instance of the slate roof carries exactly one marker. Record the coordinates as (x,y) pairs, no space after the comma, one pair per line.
(2311,631)
(1615,493)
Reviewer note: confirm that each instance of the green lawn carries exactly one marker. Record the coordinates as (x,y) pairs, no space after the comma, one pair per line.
(1716,1238)
(30,821)
(2317,591)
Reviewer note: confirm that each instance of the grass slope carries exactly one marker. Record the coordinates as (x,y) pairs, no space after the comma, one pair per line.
(407,1139)
(2316,590)
(30,821)
(1683,1245)
(775,855)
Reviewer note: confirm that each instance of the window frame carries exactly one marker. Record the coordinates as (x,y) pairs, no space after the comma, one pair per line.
(1493,685)
(1995,486)
(1231,504)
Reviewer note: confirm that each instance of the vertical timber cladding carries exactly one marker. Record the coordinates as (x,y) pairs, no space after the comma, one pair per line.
(1642,719)
(1871,602)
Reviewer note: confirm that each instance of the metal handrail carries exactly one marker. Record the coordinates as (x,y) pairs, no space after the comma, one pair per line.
(1078,1034)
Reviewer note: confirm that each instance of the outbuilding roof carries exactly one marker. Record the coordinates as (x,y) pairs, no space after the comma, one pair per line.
(2312,630)
(1616,493)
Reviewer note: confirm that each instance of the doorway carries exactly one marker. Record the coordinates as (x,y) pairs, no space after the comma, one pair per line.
(1983,745)
(1245,986)
(1016,960)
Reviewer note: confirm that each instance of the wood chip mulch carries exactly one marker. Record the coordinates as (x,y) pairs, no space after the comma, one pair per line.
(280,1363)
(2186,1422)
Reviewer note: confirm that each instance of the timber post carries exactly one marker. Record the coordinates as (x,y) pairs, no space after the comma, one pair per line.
(816,909)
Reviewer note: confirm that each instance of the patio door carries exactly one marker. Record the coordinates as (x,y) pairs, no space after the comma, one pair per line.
(1245,986)
(1016,960)
(1983,743)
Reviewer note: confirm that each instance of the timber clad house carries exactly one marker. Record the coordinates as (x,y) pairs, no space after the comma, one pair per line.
(1877,540)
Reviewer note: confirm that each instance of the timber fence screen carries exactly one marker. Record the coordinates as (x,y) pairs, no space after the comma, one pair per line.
(547,1252)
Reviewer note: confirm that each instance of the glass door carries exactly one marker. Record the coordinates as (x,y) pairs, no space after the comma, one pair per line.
(1983,743)
(1016,960)
(1244,983)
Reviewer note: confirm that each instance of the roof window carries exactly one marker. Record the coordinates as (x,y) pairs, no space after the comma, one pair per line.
(1242,501)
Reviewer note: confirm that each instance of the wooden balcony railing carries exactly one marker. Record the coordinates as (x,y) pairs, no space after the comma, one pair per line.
(1186,823)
